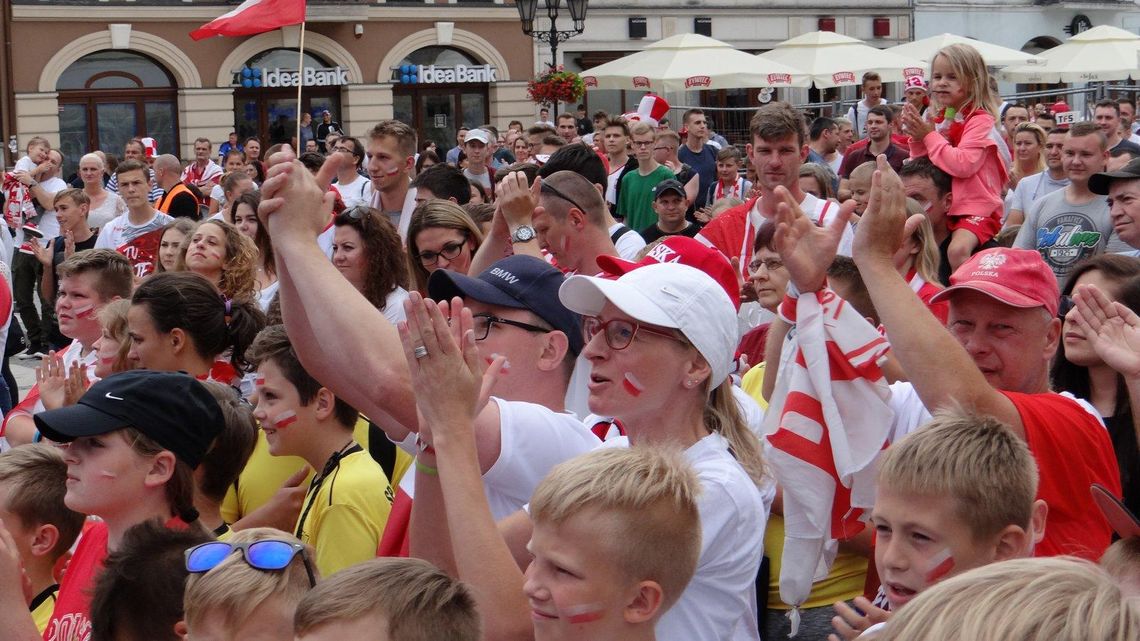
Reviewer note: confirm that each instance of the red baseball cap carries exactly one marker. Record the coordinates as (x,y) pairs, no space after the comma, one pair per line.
(686,251)
(1059,107)
(1016,277)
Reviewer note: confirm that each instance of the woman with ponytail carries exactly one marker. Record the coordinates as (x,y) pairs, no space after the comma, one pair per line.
(179,322)
(131,444)
(660,340)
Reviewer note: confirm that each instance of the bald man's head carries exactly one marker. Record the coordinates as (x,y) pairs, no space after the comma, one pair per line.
(167,162)
(565,189)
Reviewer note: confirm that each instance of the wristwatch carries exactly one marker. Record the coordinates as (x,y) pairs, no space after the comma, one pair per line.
(523,234)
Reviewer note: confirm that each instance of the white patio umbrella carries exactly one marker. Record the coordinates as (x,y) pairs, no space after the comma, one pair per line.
(689,62)
(834,60)
(1101,53)
(994,55)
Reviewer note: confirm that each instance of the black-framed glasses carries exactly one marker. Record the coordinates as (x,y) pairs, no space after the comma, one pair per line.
(267,554)
(619,333)
(449,251)
(483,324)
(771,264)
(551,189)
(641,143)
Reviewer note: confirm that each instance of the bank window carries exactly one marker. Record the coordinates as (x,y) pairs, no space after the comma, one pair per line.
(108,97)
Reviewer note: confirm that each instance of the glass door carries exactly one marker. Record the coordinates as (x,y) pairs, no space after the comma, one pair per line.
(116,123)
(437,118)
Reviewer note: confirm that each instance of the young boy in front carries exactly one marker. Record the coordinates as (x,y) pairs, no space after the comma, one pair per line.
(954,495)
(32,484)
(347,505)
(616,539)
(860,185)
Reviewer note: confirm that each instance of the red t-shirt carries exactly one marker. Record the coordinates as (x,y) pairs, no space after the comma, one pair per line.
(71,619)
(1073,451)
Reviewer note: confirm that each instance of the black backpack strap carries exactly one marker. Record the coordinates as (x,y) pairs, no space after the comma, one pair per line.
(382,450)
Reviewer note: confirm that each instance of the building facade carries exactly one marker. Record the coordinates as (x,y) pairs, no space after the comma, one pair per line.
(91,75)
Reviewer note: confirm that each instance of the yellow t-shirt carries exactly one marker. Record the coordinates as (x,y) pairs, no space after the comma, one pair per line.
(42,607)
(346,513)
(848,573)
(264,474)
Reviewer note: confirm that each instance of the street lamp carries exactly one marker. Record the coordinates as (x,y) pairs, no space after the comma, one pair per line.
(528,9)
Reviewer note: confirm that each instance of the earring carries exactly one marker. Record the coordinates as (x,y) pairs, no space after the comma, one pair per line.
(690,383)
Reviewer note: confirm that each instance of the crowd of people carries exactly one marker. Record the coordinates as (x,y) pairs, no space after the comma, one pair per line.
(851,377)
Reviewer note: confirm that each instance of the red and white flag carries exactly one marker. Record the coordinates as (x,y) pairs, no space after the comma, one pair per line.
(828,421)
(253,17)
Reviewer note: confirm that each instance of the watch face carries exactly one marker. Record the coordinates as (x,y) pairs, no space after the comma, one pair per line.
(524,233)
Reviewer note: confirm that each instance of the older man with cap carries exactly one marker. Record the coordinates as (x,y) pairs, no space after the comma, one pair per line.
(992,358)
(670,204)
(1123,190)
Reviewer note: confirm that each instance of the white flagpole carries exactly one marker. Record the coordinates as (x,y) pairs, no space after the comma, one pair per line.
(300,83)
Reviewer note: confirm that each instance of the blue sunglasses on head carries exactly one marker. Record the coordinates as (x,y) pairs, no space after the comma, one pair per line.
(267,554)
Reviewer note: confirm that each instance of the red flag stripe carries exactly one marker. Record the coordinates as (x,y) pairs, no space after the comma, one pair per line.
(252,17)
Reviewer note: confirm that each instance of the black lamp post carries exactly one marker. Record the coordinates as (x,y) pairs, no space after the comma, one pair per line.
(528,9)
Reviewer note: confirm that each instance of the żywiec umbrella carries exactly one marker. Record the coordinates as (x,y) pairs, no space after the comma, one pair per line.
(690,62)
(833,60)
(1101,53)
(994,55)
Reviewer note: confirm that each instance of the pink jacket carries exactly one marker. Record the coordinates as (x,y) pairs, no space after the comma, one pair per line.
(977,171)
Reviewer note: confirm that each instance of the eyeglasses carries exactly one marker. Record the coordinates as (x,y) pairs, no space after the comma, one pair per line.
(551,189)
(641,143)
(448,251)
(267,554)
(483,324)
(771,264)
(619,333)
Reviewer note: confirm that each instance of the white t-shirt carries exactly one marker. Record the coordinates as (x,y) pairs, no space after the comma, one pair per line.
(120,231)
(533,439)
(24,164)
(112,206)
(629,243)
(1030,188)
(357,192)
(719,604)
(394,305)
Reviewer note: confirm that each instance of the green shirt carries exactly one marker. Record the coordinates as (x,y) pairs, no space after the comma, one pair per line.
(635,202)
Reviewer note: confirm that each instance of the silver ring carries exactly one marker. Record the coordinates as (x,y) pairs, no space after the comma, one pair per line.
(419,352)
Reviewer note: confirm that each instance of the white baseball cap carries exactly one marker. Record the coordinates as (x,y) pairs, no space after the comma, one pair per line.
(666,295)
(477,134)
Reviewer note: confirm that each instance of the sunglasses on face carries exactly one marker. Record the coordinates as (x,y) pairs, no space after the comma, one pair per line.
(268,555)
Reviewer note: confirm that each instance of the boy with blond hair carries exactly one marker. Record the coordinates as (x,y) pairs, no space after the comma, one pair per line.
(954,495)
(229,597)
(32,484)
(625,523)
(393,599)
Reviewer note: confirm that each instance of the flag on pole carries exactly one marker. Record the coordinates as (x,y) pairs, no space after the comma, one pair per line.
(253,17)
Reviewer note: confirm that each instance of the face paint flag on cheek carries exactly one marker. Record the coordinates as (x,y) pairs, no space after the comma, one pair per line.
(941,564)
(631,385)
(285,419)
(585,613)
(86,311)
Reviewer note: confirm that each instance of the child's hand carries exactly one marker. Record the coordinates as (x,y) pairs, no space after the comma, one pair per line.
(850,623)
(914,124)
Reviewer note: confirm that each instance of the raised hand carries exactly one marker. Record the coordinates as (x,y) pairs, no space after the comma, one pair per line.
(451,381)
(1112,329)
(807,249)
(518,200)
(43,254)
(295,204)
(51,377)
(914,124)
(849,623)
(884,224)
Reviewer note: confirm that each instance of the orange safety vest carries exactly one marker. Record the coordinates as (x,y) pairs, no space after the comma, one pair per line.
(164,202)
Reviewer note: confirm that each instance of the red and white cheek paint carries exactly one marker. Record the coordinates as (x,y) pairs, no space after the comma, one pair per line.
(285,419)
(941,564)
(584,613)
(87,311)
(631,385)
(505,369)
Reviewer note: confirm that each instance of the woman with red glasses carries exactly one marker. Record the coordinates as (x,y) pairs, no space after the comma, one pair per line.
(660,341)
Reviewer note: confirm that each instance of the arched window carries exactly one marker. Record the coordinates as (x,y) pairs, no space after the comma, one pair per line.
(267,110)
(437,108)
(108,97)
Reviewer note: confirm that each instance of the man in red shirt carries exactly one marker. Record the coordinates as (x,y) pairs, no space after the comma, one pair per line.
(1003,333)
